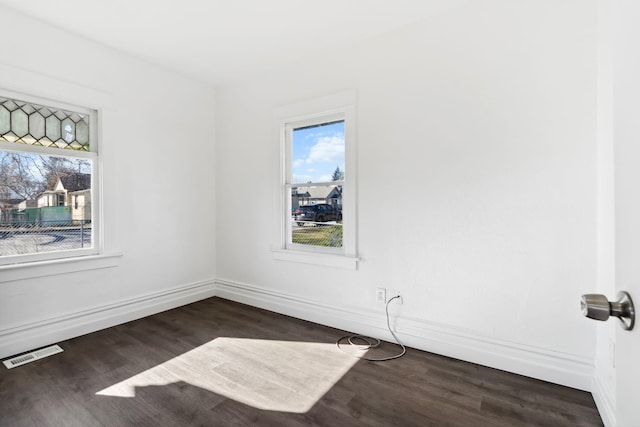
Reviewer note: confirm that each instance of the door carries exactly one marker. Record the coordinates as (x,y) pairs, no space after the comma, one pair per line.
(626,124)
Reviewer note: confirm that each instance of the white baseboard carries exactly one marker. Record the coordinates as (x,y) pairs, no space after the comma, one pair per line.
(547,365)
(544,364)
(21,338)
(604,403)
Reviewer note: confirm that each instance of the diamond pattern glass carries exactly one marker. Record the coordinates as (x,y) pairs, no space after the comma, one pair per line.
(36,125)
(19,123)
(26,123)
(5,120)
(53,128)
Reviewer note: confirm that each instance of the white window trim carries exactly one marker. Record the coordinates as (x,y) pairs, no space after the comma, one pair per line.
(340,106)
(96,186)
(32,270)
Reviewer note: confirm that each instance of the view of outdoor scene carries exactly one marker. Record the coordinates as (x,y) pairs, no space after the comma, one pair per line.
(45,200)
(318,154)
(45,203)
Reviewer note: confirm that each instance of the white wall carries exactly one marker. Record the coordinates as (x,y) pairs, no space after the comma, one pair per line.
(478,130)
(158,174)
(478,127)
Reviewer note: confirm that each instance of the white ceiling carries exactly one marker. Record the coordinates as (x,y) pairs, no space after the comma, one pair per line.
(217,40)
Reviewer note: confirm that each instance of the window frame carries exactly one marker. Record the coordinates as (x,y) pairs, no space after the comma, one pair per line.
(92,155)
(338,107)
(289,128)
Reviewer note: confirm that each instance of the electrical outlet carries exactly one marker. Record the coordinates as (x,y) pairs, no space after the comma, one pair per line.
(381,295)
(399,299)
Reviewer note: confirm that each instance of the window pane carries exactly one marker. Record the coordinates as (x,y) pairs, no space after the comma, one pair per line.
(68,130)
(316,215)
(19,123)
(45,203)
(82,129)
(25,123)
(53,128)
(5,120)
(318,153)
(36,125)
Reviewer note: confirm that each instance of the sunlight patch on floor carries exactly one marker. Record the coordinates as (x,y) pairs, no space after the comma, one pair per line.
(286,376)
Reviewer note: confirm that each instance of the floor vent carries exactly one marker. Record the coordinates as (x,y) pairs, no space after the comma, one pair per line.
(30,357)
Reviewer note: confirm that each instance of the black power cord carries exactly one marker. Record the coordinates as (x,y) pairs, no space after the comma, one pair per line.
(372,342)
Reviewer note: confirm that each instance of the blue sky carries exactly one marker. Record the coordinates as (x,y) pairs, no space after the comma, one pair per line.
(316,152)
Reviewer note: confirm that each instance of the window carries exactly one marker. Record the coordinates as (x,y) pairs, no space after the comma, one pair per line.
(318,188)
(314,184)
(48,153)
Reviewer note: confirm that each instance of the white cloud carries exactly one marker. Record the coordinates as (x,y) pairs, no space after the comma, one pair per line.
(298,162)
(327,149)
(302,178)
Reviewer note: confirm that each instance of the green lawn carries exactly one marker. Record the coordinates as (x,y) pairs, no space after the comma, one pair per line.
(318,235)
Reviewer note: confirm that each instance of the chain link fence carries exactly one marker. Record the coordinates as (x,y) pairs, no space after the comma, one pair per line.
(327,234)
(21,238)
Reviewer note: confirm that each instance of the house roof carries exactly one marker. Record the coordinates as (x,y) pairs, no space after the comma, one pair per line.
(318,192)
(76,181)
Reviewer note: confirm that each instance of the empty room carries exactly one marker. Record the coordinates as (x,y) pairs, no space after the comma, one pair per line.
(349,213)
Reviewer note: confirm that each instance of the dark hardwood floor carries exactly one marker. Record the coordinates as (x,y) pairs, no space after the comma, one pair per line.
(220,363)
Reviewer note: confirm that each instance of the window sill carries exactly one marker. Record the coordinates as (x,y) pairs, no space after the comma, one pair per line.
(31,270)
(314,258)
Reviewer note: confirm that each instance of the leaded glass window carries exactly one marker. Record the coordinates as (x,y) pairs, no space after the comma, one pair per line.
(32,124)
(48,181)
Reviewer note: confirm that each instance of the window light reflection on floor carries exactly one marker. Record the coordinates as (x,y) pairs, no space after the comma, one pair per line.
(287,376)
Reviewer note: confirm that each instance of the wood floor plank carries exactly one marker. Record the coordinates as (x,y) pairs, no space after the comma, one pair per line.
(221,363)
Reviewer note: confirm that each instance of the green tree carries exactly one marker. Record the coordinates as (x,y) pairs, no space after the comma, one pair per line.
(338,175)
(17,178)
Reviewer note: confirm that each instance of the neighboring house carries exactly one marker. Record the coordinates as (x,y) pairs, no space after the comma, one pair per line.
(334,198)
(7,206)
(25,211)
(299,198)
(314,195)
(71,190)
(27,204)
